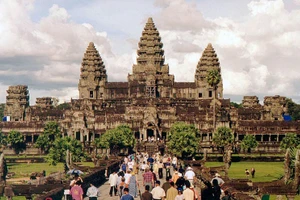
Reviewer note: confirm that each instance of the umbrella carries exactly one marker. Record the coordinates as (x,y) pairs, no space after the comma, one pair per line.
(75,171)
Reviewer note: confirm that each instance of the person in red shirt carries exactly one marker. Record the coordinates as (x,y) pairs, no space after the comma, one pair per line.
(76,191)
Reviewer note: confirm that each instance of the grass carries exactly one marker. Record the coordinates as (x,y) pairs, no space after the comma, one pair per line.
(14,198)
(24,169)
(265,171)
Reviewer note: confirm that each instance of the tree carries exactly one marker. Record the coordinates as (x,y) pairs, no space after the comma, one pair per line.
(2,107)
(249,142)
(16,141)
(223,137)
(293,109)
(118,138)
(213,79)
(57,152)
(182,140)
(236,105)
(289,141)
(64,106)
(3,139)
(46,139)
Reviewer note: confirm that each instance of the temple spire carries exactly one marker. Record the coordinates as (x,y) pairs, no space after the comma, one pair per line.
(208,61)
(93,73)
(150,46)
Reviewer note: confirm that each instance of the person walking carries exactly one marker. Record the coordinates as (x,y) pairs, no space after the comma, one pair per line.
(157,192)
(147,195)
(76,191)
(92,192)
(171,192)
(126,195)
(148,178)
(133,185)
(113,178)
(253,172)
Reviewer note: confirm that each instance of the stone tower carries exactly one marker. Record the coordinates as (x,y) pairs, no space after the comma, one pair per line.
(150,77)
(208,61)
(17,101)
(44,102)
(93,75)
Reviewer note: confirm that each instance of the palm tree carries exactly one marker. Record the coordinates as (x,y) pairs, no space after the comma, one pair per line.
(213,79)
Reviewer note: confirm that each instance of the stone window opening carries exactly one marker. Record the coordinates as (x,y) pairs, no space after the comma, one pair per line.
(91,94)
(209,93)
(200,95)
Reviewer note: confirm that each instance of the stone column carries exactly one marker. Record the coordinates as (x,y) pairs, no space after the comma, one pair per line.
(262,138)
(277,137)
(269,137)
(32,138)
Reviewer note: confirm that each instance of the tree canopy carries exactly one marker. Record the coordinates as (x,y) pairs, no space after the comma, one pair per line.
(117,138)
(57,152)
(46,139)
(236,105)
(182,140)
(16,141)
(293,109)
(289,141)
(249,142)
(213,77)
(223,137)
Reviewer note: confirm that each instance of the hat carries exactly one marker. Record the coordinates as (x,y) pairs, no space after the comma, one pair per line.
(189,168)
(217,175)
(180,189)
(180,174)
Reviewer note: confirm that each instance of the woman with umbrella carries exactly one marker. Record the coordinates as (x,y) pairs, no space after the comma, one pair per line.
(76,178)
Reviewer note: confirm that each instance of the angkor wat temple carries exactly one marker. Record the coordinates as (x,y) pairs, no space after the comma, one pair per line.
(149,102)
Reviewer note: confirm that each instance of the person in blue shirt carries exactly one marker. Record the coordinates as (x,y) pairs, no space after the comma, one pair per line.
(126,195)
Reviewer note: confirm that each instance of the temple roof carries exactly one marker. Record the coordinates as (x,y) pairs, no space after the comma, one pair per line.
(150,46)
(92,64)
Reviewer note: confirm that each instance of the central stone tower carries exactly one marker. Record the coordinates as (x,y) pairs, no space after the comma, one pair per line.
(150,76)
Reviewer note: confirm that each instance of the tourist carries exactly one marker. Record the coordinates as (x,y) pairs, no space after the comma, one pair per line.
(157,192)
(113,178)
(219,179)
(148,178)
(154,175)
(76,191)
(253,172)
(121,186)
(247,173)
(180,183)
(155,168)
(175,175)
(227,196)
(188,193)
(160,169)
(144,166)
(123,167)
(168,170)
(190,175)
(174,162)
(179,196)
(171,192)
(216,189)
(126,195)
(166,185)
(92,192)
(133,185)
(147,195)
(130,165)
(127,177)
(75,179)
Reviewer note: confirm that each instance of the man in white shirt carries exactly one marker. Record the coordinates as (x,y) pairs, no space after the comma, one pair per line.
(113,178)
(127,177)
(189,175)
(158,193)
(188,193)
(92,192)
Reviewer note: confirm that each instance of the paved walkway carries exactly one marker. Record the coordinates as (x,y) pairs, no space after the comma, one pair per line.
(104,189)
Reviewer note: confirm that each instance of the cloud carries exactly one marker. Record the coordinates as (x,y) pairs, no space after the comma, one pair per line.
(47,53)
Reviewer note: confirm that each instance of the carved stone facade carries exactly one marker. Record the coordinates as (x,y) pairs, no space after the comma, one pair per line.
(150,102)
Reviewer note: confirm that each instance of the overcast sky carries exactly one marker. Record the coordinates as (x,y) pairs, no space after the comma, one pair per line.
(42,42)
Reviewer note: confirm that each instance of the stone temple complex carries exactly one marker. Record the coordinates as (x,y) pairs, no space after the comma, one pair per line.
(149,102)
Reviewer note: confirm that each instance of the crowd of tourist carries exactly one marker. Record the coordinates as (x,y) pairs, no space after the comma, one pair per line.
(162,178)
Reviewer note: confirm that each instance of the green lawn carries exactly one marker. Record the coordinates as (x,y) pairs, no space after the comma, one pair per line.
(24,169)
(265,171)
(14,198)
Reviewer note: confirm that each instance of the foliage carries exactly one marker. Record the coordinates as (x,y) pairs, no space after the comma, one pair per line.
(46,139)
(236,105)
(213,78)
(2,106)
(117,138)
(57,152)
(223,137)
(290,140)
(182,140)
(293,109)
(16,141)
(249,142)
(3,140)
(64,106)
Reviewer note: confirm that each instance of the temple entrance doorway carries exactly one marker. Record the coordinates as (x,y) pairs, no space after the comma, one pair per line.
(150,133)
